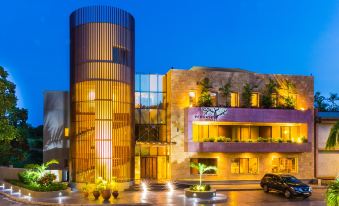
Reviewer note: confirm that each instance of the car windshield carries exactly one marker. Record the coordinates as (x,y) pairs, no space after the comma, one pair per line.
(290,179)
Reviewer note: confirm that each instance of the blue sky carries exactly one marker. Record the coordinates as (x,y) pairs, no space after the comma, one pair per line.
(287,37)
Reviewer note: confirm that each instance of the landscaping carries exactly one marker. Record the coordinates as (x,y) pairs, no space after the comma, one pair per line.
(259,139)
(101,187)
(36,178)
(332,193)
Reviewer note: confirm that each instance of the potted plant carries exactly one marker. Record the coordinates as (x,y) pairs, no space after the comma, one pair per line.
(85,189)
(114,188)
(104,188)
(200,190)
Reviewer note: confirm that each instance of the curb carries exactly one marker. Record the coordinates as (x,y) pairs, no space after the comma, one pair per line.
(28,202)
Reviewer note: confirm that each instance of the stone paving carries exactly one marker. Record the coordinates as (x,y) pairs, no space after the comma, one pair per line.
(235,198)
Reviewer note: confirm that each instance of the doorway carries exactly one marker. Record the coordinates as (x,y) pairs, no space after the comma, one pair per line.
(148,168)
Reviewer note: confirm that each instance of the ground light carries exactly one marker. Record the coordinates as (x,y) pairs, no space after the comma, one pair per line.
(144,187)
(170,186)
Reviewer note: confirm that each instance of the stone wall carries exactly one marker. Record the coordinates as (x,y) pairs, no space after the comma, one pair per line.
(180,82)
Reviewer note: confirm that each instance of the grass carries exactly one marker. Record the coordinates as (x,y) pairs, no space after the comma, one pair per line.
(55,186)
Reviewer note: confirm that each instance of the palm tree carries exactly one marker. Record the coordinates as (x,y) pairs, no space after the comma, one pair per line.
(333,137)
(225,92)
(202,168)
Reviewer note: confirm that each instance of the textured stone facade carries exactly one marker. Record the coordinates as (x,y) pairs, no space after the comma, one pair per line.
(181,82)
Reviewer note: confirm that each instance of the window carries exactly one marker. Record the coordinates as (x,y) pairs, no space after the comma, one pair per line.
(205,161)
(66,132)
(244,166)
(285,165)
(120,56)
(214,98)
(274,99)
(234,99)
(192,98)
(255,99)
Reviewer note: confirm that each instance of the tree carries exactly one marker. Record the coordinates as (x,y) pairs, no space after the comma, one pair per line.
(270,88)
(333,137)
(333,105)
(12,123)
(320,102)
(225,92)
(205,99)
(202,168)
(247,94)
(332,193)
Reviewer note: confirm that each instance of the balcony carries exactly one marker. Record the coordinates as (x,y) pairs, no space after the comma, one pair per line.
(243,130)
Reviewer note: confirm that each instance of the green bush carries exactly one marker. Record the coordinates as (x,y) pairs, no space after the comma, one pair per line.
(28,176)
(47,179)
(54,186)
(200,188)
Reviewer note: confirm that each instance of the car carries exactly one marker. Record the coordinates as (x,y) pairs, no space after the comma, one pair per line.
(289,185)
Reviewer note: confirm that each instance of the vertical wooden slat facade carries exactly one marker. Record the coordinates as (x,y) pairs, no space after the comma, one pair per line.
(102,94)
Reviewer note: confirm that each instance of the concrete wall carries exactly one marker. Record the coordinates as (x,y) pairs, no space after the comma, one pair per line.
(180,82)
(327,161)
(56,119)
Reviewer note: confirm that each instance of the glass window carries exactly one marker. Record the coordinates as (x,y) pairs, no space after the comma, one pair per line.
(153,83)
(244,133)
(160,100)
(153,100)
(153,116)
(285,165)
(137,116)
(161,116)
(192,98)
(160,83)
(244,166)
(115,55)
(145,82)
(137,100)
(255,99)
(144,116)
(144,99)
(234,99)
(205,161)
(285,132)
(137,82)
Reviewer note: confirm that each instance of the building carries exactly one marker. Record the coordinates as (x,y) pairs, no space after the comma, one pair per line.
(244,143)
(153,126)
(327,164)
(56,128)
(102,94)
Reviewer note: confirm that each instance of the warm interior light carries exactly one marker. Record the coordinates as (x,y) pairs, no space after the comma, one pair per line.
(66,132)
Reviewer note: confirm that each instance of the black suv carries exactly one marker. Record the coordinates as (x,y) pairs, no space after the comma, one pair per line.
(287,184)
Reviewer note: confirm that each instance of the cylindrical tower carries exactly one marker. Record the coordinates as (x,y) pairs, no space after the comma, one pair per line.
(102,94)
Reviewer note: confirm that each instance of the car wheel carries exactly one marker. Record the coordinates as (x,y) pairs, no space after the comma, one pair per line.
(287,194)
(307,196)
(266,189)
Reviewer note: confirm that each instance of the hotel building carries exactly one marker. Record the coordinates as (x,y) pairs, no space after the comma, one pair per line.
(244,123)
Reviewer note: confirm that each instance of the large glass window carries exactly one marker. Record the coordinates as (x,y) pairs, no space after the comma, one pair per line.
(150,114)
(120,56)
(244,166)
(205,161)
(285,165)
(234,99)
(255,99)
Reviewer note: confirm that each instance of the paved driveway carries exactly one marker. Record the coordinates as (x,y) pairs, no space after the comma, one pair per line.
(235,198)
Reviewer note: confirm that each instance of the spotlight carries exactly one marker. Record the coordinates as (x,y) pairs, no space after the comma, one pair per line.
(144,187)
(170,186)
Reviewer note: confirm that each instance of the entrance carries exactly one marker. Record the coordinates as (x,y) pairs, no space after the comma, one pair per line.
(148,167)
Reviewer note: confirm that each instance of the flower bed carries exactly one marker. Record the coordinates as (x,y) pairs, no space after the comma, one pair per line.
(55,186)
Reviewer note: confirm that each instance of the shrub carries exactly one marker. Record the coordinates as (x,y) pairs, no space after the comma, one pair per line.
(221,139)
(46,179)
(54,186)
(332,193)
(228,139)
(200,188)
(28,176)
(289,141)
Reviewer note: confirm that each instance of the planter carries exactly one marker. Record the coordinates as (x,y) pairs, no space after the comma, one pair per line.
(106,194)
(115,194)
(96,194)
(200,194)
(86,194)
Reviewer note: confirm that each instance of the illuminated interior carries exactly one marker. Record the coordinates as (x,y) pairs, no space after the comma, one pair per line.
(236,131)
(102,76)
